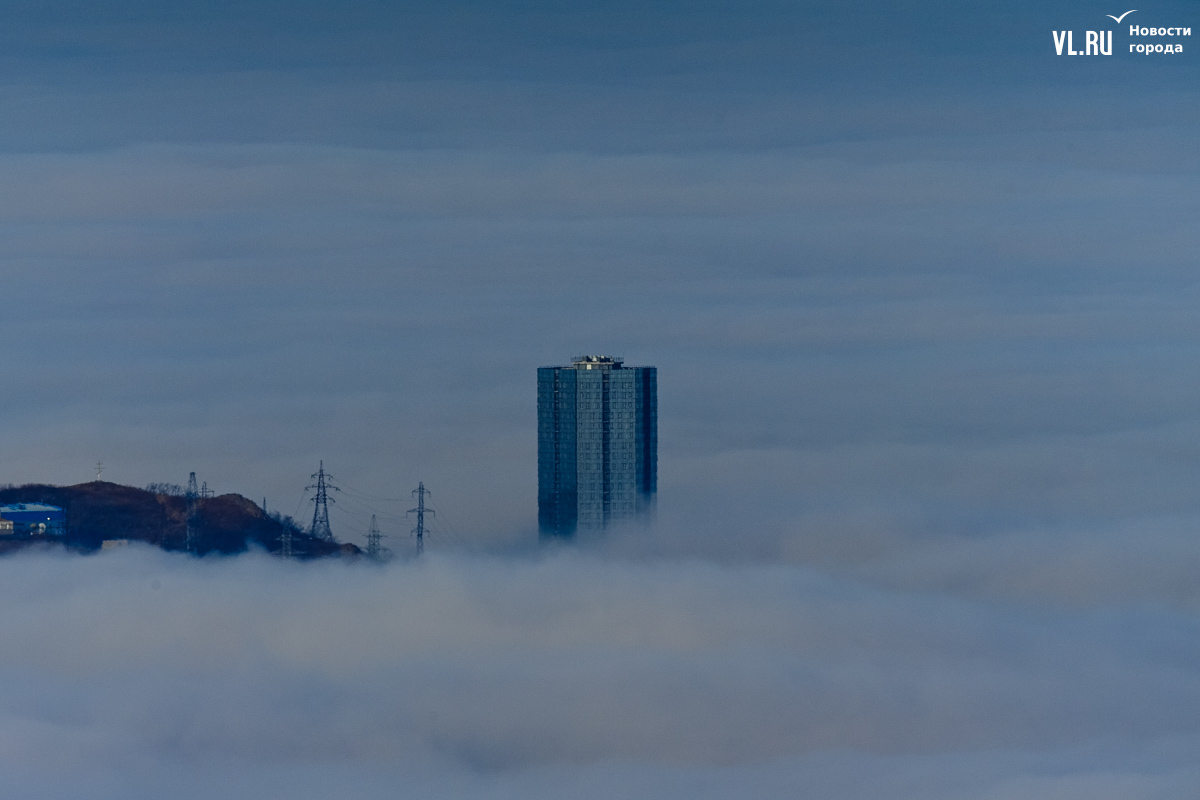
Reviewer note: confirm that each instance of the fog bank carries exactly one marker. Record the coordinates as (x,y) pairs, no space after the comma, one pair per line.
(496,677)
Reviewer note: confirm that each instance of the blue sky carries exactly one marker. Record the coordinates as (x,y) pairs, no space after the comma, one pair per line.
(246,237)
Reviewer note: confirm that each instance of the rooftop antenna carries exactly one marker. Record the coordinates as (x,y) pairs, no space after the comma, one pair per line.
(421,511)
(321,501)
(375,549)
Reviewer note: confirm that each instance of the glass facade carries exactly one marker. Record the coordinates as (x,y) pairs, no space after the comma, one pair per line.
(597,444)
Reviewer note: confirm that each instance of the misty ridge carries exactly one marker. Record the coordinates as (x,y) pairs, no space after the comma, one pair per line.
(159,515)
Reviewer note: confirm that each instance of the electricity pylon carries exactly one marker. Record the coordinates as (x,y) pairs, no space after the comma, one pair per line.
(192,493)
(320,524)
(420,511)
(375,549)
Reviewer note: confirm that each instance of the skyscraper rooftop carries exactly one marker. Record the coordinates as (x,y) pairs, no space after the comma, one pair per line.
(597,362)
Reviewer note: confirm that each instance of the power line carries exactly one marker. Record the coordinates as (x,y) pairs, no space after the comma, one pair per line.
(367,496)
(359,509)
(303,495)
(444,518)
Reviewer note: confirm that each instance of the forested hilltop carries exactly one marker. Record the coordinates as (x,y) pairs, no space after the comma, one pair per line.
(99,511)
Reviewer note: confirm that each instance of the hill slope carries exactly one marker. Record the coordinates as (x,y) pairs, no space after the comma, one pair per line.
(226,524)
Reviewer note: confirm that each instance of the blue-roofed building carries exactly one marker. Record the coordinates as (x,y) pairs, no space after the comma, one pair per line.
(33,519)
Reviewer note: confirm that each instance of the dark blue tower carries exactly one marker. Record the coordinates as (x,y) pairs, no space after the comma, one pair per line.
(597,444)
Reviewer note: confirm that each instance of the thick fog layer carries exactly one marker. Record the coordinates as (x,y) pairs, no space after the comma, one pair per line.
(134,673)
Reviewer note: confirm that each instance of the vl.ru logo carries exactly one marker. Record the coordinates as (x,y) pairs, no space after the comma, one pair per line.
(1100,43)
(1095,43)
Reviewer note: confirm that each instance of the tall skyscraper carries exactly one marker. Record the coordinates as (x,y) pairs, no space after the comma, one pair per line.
(597,444)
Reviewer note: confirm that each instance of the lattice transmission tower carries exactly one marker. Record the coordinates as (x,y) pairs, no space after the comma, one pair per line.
(192,495)
(421,511)
(320,524)
(375,548)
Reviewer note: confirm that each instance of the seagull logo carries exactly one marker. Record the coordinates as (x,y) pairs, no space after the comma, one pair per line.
(1123,16)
